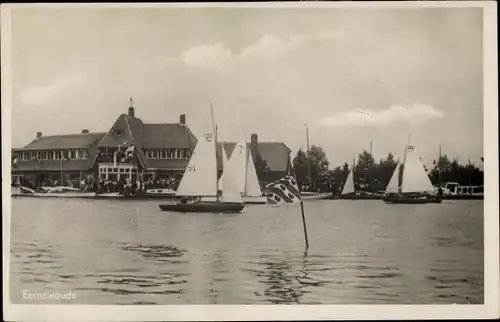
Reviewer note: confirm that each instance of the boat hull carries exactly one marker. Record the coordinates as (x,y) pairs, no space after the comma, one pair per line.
(254,200)
(204,207)
(407,199)
(315,196)
(138,196)
(362,196)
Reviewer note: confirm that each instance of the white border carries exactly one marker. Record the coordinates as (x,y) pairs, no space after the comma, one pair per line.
(490,309)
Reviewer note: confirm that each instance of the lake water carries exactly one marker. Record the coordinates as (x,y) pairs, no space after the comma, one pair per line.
(361,252)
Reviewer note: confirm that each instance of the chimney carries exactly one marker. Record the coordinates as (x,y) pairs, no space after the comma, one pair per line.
(254,146)
(254,139)
(85,131)
(131,109)
(182,119)
(38,135)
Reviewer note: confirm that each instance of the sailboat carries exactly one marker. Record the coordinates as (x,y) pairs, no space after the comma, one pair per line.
(241,163)
(200,181)
(414,186)
(349,190)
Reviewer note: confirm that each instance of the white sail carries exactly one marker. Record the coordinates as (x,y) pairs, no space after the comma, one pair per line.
(224,165)
(237,165)
(415,178)
(393,185)
(230,188)
(200,176)
(349,183)
(252,186)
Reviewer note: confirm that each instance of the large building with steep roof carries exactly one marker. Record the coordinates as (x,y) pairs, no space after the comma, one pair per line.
(132,149)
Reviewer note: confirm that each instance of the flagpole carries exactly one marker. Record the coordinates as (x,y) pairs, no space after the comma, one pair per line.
(62,156)
(214,127)
(304,223)
(308,158)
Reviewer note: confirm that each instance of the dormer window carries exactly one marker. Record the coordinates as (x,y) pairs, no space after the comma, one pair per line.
(118,133)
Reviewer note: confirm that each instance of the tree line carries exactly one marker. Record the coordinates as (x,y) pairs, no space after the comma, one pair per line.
(313,173)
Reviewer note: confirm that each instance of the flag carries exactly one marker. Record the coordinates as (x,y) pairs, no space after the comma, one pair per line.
(129,153)
(284,190)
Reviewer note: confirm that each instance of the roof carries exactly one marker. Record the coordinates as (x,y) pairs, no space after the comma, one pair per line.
(87,141)
(168,135)
(276,154)
(68,141)
(149,136)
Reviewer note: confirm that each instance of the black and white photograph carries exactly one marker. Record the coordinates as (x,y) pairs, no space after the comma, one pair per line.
(250,161)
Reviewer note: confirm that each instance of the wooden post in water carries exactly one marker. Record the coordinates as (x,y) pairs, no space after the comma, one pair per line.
(304,223)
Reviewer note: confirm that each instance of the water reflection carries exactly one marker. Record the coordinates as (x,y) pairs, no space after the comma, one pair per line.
(286,278)
(164,280)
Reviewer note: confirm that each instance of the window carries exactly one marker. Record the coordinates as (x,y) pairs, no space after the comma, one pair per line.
(155,154)
(118,133)
(83,154)
(43,155)
(57,155)
(72,154)
(188,153)
(149,154)
(33,155)
(103,176)
(169,154)
(163,154)
(178,154)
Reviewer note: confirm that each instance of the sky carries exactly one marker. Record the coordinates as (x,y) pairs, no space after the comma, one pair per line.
(352,75)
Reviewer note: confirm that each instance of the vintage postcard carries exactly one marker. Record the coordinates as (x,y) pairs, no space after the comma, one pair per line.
(250,161)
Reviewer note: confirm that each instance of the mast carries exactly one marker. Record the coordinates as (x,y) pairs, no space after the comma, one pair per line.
(247,157)
(352,169)
(404,161)
(439,167)
(214,126)
(308,158)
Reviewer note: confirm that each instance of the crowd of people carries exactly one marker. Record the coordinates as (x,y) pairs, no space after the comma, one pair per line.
(123,185)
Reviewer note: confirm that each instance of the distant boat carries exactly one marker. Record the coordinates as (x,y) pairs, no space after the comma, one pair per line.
(51,192)
(349,187)
(242,165)
(414,186)
(201,183)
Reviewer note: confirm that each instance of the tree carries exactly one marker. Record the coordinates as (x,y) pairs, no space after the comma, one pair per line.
(365,173)
(319,167)
(318,163)
(385,170)
(300,165)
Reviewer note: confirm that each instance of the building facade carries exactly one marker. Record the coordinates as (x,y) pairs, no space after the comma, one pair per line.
(133,150)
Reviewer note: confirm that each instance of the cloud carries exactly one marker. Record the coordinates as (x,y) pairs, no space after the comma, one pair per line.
(394,115)
(219,56)
(43,94)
